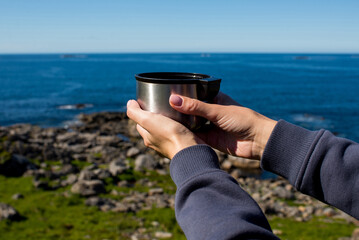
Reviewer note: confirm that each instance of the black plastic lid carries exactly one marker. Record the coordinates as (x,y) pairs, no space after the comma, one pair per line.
(173,77)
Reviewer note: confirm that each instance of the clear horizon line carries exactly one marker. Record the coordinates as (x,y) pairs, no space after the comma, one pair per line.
(177,52)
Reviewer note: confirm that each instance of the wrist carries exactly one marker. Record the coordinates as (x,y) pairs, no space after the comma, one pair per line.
(263,131)
(180,144)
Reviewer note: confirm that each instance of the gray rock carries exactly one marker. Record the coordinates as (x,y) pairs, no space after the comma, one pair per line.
(87,175)
(17,196)
(329,212)
(102,173)
(144,162)
(67,137)
(95,201)
(155,191)
(16,166)
(163,235)
(283,193)
(117,167)
(132,152)
(355,234)
(108,140)
(41,184)
(67,169)
(88,188)
(120,207)
(8,212)
(71,179)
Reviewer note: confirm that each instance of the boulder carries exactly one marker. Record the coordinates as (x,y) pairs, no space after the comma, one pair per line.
(95,201)
(88,187)
(163,235)
(67,169)
(71,179)
(7,212)
(283,193)
(355,234)
(155,191)
(132,152)
(16,166)
(117,167)
(87,175)
(145,162)
(17,196)
(102,173)
(108,140)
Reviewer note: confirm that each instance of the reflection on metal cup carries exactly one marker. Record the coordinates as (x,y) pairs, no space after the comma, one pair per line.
(154,90)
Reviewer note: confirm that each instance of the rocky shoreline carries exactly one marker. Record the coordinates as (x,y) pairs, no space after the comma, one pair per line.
(106,148)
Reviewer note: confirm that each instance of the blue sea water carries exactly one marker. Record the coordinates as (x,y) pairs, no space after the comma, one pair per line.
(314,91)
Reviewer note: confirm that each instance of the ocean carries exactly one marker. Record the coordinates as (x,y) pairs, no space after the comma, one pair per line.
(311,90)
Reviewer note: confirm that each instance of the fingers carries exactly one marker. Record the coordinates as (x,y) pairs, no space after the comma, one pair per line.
(144,134)
(138,115)
(193,107)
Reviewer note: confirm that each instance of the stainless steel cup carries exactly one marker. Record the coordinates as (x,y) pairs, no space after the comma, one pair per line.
(154,90)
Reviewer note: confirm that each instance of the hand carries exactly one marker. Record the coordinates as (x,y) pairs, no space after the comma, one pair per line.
(161,133)
(238,130)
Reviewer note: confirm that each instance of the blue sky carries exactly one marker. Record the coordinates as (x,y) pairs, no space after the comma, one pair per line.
(52,26)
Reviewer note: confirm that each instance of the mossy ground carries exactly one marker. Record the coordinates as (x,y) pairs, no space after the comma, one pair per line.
(51,215)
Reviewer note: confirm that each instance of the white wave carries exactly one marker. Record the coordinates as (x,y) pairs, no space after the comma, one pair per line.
(75,106)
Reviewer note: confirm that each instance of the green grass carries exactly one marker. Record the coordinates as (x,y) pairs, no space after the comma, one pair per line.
(80,164)
(166,219)
(51,215)
(316,228)
(4,156)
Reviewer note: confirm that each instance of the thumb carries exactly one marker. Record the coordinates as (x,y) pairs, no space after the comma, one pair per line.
(195,107)
(135,112)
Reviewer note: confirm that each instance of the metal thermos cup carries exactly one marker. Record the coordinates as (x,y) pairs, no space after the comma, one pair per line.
(154,90)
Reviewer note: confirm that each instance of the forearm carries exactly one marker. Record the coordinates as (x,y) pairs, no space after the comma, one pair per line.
(209,203)
(317,163)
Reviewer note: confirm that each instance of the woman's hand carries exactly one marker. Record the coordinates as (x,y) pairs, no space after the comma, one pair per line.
(161,133)
(238,130)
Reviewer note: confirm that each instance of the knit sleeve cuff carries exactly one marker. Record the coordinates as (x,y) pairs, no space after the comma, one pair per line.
(288,150)
(192,161)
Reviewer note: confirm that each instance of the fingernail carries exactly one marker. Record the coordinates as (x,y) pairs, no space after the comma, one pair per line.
(176,100)
(128,103)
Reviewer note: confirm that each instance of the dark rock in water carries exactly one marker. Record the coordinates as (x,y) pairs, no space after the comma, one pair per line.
(7,212)
(88,188)
(16,166)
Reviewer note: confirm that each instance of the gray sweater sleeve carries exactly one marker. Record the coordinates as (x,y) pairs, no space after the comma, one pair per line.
(317,163)
(209,202)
